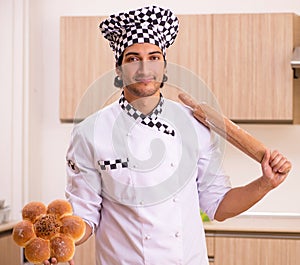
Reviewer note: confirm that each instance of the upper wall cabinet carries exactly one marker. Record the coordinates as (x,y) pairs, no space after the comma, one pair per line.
(244,59)
(84,56)
(252,75)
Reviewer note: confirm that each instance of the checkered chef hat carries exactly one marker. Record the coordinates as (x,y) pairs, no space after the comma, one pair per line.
(148,24)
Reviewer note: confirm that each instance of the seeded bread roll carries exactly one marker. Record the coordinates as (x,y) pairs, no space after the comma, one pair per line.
(49,231)
(37,250)
(60,208)
(47,226)
(33,210)
(23,232)
(73,226)
(62,248)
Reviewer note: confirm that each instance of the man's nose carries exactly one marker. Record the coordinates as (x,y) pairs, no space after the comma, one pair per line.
(148,66)
(143,66)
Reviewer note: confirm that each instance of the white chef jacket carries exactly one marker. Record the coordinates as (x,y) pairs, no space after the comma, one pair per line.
(141,187)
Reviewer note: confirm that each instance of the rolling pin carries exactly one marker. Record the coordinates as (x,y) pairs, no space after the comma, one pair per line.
(217,122)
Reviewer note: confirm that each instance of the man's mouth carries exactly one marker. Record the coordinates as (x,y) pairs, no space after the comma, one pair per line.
(144,79)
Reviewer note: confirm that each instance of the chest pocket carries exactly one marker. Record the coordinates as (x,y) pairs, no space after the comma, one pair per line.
(116,180)
(113,164)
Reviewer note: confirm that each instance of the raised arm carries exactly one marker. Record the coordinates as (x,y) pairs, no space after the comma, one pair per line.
(240,199)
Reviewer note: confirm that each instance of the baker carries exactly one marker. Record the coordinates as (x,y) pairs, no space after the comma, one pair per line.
(140,169)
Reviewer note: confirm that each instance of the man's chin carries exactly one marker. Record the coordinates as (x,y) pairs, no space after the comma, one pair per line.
(143,90)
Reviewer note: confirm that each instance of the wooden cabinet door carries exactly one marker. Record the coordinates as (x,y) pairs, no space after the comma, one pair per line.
(190,59)
(84,56)
(210,243)
(192,48)
(10,253)
(258,251)
(252,76)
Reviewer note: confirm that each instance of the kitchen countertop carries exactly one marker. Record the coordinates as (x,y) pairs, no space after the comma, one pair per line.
(243,223)
(256,224)
(7,226)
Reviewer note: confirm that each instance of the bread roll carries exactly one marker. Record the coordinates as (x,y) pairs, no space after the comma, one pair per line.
(48,231)
(33,210)
(23,232)
(73,226)
(62,247)
(60,208)
(47,226)
(37,250)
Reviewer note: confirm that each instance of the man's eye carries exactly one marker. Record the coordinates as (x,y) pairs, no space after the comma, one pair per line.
(132,59)
(154,58)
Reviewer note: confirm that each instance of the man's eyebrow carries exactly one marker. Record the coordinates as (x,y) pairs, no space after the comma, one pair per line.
(131,53)
(155,52)
(136,53)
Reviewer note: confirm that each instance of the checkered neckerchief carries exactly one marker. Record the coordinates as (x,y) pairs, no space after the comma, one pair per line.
(149,120)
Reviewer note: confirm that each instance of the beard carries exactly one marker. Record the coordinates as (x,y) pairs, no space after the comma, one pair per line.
(143,87)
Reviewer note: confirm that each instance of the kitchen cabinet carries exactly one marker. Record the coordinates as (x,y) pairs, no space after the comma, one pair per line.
(253,78)
(192,49)
(210,243)
(252,249)
(84,56)
(244,59)
(297,100)
(249,249)
(10,253)
(254,240)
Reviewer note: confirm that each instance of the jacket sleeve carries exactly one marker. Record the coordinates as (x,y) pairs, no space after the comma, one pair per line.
(212,182)
(83,189)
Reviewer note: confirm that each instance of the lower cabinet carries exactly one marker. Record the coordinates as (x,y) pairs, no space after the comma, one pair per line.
(10,253)
(249,249)
(210,243)
(224,249)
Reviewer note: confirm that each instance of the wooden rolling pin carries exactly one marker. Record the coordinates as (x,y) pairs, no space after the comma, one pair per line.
(227,129)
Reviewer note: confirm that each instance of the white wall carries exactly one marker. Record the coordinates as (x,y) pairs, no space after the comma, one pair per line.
(13,161)
(285,138)
(48,138)
(6,99)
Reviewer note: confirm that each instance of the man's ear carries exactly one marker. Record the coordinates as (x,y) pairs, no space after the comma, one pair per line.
(118,82)
(118,71)
(165,67)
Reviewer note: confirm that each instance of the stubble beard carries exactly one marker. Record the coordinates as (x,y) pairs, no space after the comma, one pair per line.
(143,90)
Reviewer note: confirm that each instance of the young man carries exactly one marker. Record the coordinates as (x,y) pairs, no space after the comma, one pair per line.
(140,169)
